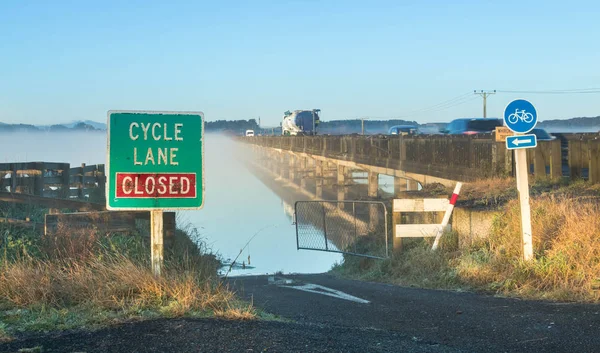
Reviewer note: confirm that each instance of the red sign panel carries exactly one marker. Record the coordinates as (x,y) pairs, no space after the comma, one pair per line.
(156,185)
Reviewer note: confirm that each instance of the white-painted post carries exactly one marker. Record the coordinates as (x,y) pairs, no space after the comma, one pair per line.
(156,235)
(447,215)
(523,188)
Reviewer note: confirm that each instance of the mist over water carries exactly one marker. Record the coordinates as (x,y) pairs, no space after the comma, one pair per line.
(62,147)
(237,204)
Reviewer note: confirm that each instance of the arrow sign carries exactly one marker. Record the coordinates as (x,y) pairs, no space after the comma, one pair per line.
(521,141)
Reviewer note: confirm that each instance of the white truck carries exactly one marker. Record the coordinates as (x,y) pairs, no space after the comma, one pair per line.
(300,122)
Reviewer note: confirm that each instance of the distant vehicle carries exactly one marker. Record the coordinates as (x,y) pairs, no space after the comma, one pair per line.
(403,130)
(542,135)
(249,132)
(471,126)
(300,122)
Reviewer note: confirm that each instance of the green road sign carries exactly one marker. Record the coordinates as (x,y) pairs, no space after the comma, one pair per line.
(155,160)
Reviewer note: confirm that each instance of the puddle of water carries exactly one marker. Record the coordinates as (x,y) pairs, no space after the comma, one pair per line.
(238,206)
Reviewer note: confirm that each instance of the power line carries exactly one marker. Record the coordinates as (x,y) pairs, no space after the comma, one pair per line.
(558,91)
(452,102)
(446,102)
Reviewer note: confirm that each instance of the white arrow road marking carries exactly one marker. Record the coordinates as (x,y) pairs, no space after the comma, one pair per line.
(315,288)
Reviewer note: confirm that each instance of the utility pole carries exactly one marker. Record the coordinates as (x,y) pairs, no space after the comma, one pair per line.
(484,94)
(362,125)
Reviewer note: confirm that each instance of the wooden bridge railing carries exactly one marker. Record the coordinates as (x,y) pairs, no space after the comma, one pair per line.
(57,180)
(463,158)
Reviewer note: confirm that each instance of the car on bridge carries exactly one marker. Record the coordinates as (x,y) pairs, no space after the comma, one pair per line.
(542,135)
(471,126)
(403,130)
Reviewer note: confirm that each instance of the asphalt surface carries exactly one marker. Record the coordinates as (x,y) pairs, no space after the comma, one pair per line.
(321,313)
(443,319)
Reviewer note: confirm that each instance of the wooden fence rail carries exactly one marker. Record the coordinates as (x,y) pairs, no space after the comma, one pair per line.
(56,180)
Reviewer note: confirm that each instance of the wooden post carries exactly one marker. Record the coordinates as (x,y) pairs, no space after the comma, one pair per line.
(396,219)
(555,159)
(81,180)
(594,161)
(38,185)
(523,188)
(530,153)
(156,234)
(575,159)
(101,178)
(508,161)
(13,178)
(539,162)
(66,181)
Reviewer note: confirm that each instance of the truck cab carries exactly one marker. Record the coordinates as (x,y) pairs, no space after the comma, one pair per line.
(300,122)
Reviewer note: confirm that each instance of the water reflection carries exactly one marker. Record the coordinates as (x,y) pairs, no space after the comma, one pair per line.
(238,205)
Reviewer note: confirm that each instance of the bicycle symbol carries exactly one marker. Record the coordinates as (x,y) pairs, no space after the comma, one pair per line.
(520,115)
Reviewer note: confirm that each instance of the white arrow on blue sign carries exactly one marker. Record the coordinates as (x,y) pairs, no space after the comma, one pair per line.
(520,116)
(521,141)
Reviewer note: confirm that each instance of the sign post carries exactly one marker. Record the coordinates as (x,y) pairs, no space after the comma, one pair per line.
(155,163)
(520,116)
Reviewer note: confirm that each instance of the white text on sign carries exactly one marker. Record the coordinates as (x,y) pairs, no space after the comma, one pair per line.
(157,132)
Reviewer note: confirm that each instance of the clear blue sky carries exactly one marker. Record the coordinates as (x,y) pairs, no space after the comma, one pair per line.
(67,60)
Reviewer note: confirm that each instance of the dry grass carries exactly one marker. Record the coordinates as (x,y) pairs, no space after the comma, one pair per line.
(493,188)
(566,265)
(76,282)
(110,283)
(238,312)
(566,245)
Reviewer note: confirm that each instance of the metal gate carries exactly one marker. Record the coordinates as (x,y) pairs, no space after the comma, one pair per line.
(348,227)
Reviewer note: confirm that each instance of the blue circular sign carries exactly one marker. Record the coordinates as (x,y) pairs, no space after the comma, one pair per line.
(520,116)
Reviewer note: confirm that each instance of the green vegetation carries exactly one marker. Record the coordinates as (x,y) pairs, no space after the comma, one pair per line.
(566,229)
(79,279)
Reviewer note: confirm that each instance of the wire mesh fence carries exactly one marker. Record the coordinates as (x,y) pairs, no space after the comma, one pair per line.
(349,227)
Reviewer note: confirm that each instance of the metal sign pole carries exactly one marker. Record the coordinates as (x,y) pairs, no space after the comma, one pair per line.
(523,189)
(156,226)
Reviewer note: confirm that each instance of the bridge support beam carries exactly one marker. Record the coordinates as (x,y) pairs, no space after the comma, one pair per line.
(341,185)
(373,188)
(319,179)
(412,185)
(373,180)
(292,167)
(304,171)
(282,165)
(400,185)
